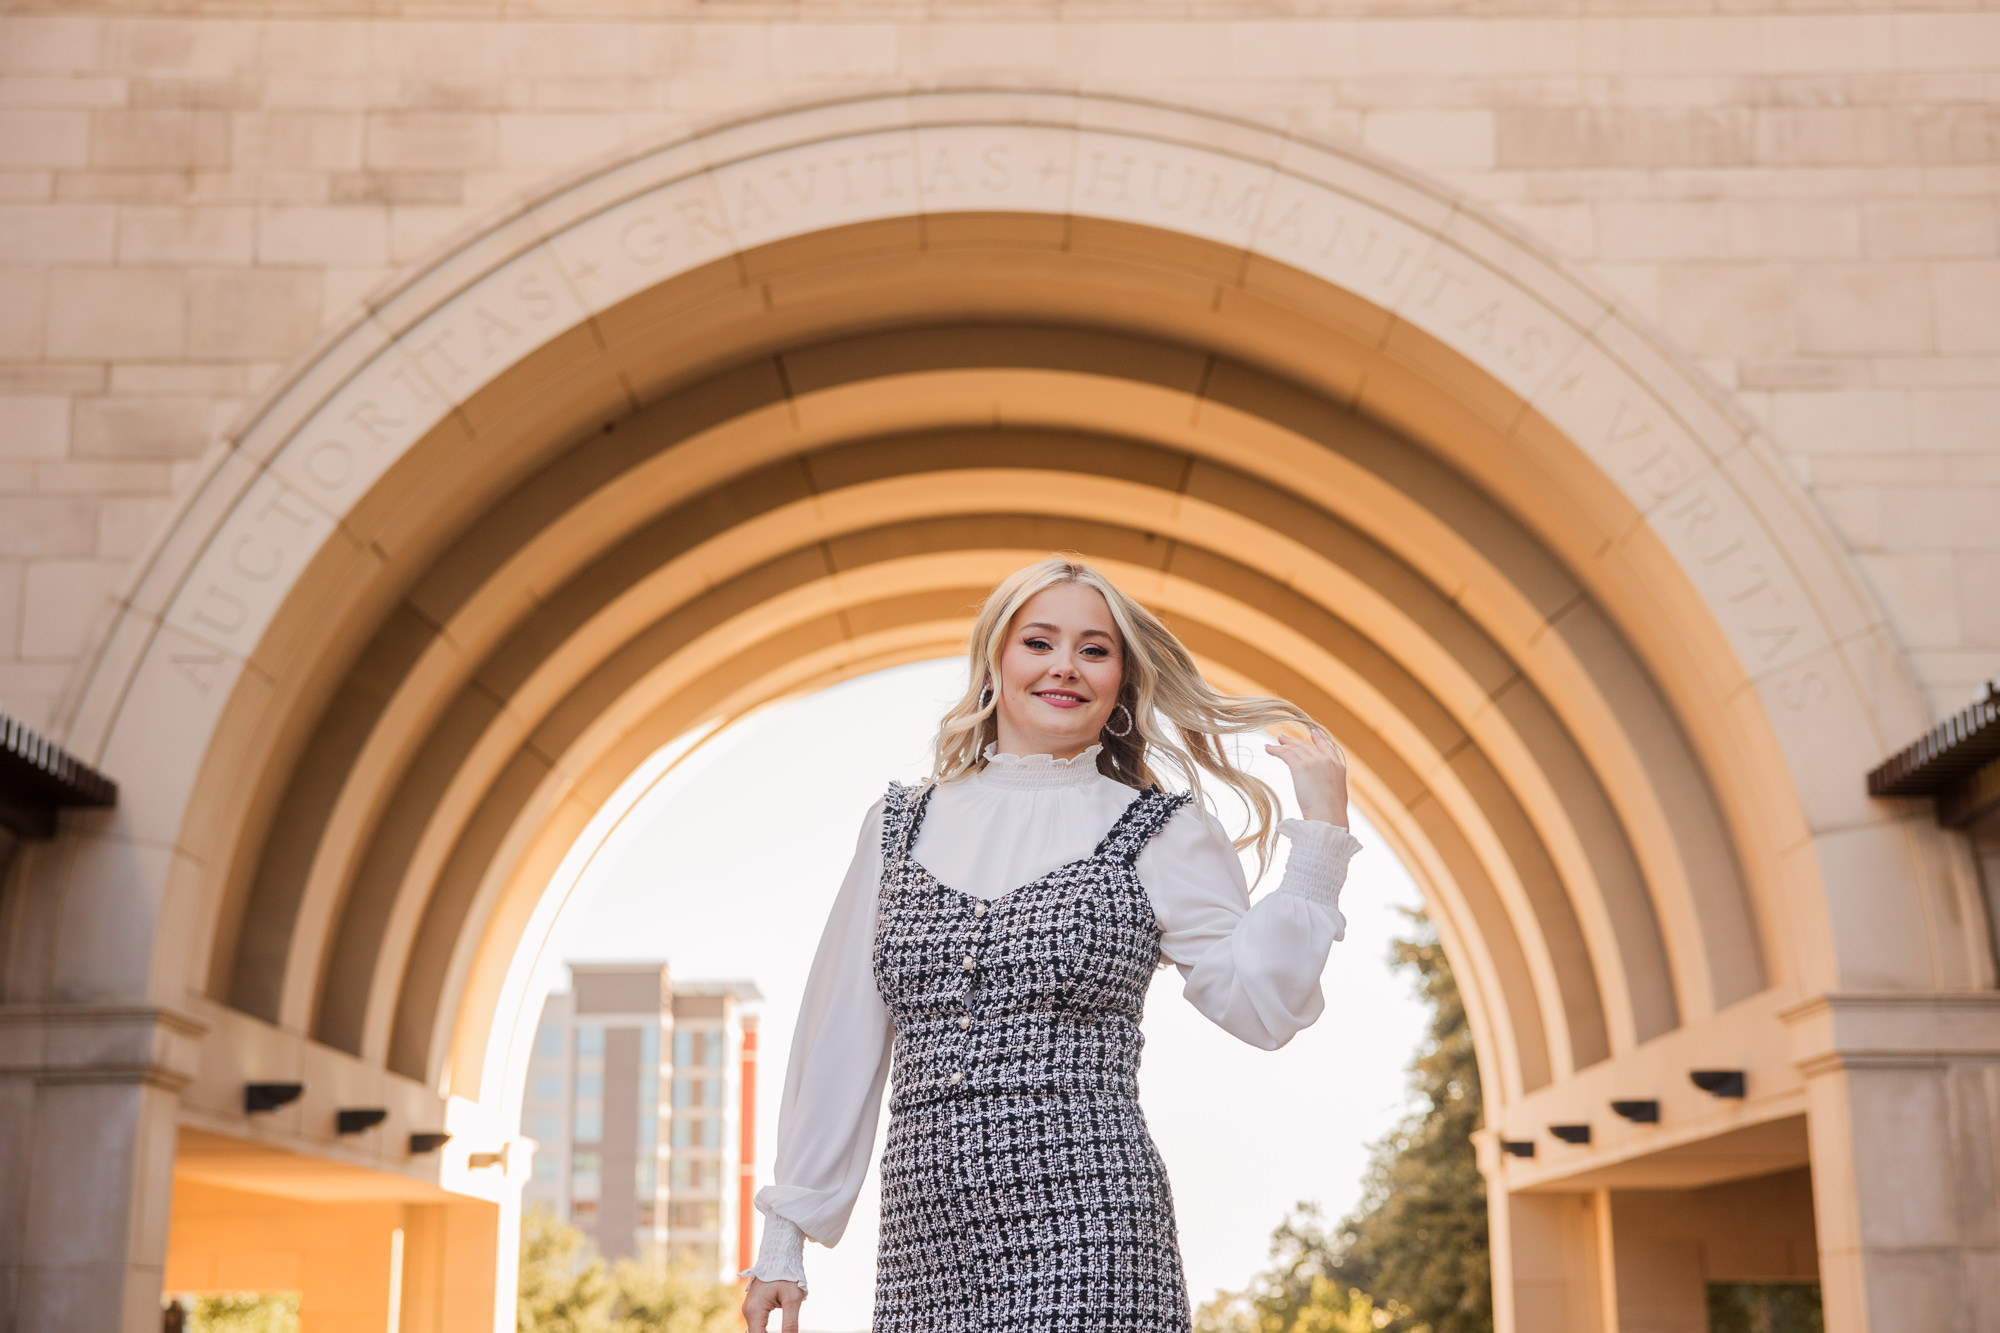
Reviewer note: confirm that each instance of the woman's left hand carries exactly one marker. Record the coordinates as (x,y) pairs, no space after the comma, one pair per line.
(1319,775)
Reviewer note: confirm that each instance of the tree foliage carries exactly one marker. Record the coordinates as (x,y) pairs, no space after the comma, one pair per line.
(1412,1257)
(241,1312)
(565,1288)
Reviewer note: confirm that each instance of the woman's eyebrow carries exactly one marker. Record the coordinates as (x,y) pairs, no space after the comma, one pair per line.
(1057,629)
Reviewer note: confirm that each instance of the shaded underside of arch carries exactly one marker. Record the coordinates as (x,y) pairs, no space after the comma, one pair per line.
(814,489)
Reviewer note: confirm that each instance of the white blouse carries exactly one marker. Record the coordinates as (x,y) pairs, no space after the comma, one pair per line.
(1254,970)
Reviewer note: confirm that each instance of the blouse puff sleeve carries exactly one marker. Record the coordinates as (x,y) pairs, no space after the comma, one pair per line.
(1253,969)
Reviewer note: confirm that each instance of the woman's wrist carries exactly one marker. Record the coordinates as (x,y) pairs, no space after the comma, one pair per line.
(781,1253)
(1325,807)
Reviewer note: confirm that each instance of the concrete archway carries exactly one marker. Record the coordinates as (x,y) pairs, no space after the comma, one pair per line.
(775,405)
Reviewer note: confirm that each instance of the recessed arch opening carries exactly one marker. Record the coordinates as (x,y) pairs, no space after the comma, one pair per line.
(1570,830)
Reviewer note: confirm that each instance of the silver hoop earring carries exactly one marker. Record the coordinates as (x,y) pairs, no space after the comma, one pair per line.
(986,694)
(1121,708)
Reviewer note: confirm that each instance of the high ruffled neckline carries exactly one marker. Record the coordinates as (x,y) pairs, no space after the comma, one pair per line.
(1039,770)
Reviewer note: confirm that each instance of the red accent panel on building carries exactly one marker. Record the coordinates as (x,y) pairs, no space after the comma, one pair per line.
(746,1183)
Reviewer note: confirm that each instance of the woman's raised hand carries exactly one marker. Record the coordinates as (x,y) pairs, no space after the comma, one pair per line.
(1319,774)
(764,1297)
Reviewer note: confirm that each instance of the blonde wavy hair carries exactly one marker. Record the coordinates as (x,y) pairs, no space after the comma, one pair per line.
(1178,718)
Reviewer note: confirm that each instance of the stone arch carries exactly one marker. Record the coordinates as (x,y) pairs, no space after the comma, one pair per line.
(793,391)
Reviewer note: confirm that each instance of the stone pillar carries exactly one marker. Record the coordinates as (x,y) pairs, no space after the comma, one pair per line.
(1545,1262)
(451,1261)
(1904,1104)
(88,1101)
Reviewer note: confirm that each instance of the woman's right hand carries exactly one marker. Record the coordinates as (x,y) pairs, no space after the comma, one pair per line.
(765,1297)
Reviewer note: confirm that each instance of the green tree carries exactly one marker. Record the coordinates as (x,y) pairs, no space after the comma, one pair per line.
(565,1288)
(1412,1257)
(242,1312)
(671,1300)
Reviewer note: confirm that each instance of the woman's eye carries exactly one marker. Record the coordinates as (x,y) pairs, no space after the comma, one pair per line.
(1036,644)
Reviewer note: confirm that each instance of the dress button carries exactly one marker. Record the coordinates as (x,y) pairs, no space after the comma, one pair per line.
(979,909)
(969,964)
(965,1022)
(956,1077)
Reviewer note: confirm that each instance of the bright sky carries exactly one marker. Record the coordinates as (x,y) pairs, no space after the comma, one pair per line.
(728,869)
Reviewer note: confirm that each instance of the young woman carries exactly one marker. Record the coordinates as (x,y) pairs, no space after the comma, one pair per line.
(991,949)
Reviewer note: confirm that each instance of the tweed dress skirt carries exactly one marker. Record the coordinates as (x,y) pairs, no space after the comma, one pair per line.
(1021,1191)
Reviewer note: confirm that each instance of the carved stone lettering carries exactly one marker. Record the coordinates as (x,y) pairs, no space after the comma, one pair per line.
(433,358)
(1797,693)
(752,209)
(644,240)
(1109,177)
(997,175)
(1603,415)
(701,223)
(197,668)
(330,463)
(377,424)
(884,164)
(943,178)
(802,180)
(494,332)
(1172,187)
(256,559)
(1219,205)
(1741,578)
(535,297)
(221,610)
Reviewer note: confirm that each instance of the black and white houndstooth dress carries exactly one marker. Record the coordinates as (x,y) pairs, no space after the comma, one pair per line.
(1021,1192)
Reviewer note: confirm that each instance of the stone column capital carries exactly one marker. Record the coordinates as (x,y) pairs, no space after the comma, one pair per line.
(1841,1030)
(87,1043)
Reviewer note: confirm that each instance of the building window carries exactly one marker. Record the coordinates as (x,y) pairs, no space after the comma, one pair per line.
(680,1092)
(583,1208)
(547,1129)
(590,1039)
(548,1041)
(589,1087)
(713,1087)
(589,1126)
(679,1133)
(649,1048)
(545,1166)
(683,1047)
(696,1214)
(548,1087)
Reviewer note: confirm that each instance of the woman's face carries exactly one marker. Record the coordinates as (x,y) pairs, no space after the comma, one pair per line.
(1059,672)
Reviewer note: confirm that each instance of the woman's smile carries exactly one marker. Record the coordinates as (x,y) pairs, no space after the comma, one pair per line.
(1061,698)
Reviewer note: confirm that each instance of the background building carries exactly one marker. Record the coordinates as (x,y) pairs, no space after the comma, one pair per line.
(410,420)
(640,1099)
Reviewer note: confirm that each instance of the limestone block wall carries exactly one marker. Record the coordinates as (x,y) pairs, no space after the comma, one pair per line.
(1805,202)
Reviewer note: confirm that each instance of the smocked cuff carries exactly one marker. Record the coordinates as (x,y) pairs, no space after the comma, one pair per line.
(1317,866)
(781,1256)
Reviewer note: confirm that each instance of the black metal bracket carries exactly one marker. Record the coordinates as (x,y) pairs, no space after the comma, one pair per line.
(1957,763)
(1639,1112)
(39,777)
(428,1141)
(1518,1147)
(358,1120)
(1571,1133)
(1719,1082)
(270,1096)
